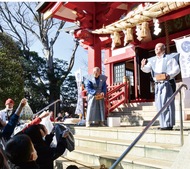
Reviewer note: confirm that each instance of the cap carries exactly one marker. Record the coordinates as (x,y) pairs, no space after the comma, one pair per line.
(9,100)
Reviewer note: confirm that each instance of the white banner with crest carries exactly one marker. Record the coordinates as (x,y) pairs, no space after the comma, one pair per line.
(183,47)
(79,78)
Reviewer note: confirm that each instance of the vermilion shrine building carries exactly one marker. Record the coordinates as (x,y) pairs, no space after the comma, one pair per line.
(126,32)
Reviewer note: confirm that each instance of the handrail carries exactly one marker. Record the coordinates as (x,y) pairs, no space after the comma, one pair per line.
(120,92)
(116,96)
(117,104)
(115,89)
(148,126)
(58,100)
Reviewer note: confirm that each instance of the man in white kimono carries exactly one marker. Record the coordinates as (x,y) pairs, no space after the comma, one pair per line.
(163,68)
(96,89)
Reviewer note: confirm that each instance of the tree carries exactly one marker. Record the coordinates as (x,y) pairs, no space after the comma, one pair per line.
(69,94)
(11,73)
(37,83)
(22,22)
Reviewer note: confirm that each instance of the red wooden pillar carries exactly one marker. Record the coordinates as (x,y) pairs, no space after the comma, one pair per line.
(135,78)
(108,67)
(94,55)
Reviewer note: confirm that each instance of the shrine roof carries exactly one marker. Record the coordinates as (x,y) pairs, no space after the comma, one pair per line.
(109,18)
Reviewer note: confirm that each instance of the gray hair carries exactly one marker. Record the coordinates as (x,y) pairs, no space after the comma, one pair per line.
(96,69)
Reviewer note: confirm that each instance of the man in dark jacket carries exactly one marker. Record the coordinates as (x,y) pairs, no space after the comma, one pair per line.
(42,141)
(96,89)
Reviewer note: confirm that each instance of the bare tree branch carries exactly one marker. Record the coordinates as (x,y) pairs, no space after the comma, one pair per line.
(71,64)
(25,25)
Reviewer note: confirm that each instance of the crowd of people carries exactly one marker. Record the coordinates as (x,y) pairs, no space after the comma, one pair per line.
(60,116)
(31,147)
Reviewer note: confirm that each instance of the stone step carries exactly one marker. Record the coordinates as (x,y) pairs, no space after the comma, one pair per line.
(63,162)
(135,118)
(103,145)
(135,112)
(130,133)
(145,108)
(134,106)
(143,149)
(186,124)
(153,108)
(144,114)
(98,157)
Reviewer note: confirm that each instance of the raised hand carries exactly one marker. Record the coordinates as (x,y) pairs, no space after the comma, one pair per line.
(20,107)
(143,62)
(23,102)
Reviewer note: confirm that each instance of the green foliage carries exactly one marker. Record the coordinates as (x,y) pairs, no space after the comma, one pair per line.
(39,82)
(43,77)
(11,73)
(35,76)
(32,78)
(69,94)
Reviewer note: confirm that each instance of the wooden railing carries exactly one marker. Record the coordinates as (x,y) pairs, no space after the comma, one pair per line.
(117,94)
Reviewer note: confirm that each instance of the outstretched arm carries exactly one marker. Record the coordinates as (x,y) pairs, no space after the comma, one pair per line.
(37,120)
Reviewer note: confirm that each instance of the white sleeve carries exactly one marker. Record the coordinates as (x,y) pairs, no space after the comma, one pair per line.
(3,115)
(147,68)
(173,68)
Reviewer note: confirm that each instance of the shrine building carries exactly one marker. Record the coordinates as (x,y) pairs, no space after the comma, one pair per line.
(126,32)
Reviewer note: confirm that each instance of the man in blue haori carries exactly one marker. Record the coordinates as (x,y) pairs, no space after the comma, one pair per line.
(163,68)
(96,89)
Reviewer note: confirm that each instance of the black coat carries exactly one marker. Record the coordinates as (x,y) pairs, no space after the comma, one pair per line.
(29,165)
(47,154)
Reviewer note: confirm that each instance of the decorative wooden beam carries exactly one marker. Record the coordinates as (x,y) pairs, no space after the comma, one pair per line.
(139,16)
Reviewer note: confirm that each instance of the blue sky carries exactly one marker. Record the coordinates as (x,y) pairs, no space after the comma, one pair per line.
(63,50)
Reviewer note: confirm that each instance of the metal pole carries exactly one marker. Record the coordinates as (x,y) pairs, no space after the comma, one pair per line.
(181,120)
(54,113)
(58,100)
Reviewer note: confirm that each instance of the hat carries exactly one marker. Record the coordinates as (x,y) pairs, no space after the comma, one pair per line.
(9,101)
